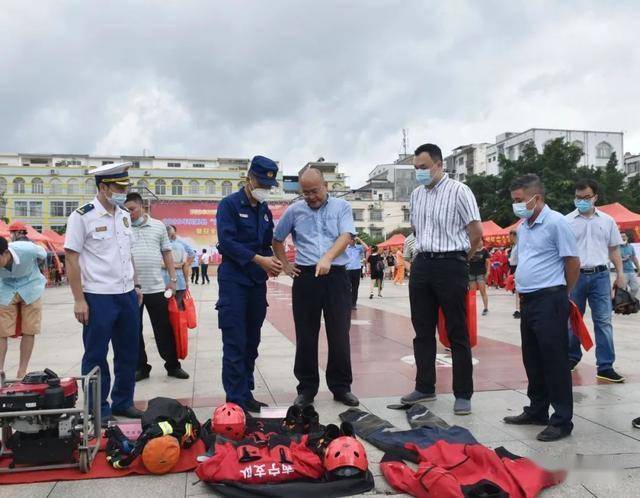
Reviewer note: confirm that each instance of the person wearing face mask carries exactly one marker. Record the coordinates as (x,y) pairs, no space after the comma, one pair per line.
(598,243)
(446,221)
(629,259)
(152,251)
(245,233)
(321,226)
(548,268)
(105,287)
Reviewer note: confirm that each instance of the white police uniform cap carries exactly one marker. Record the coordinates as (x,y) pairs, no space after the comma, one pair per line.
(113,173)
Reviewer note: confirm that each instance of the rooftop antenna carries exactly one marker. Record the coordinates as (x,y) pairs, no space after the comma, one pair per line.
(405,141)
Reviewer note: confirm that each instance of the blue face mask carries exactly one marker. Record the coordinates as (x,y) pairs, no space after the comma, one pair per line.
(423,176)
(118,199)
(583,205)
(521,211)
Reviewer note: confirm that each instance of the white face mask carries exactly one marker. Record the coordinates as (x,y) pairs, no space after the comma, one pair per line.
(260,194)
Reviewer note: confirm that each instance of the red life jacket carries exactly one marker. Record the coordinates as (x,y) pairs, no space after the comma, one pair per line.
(261,463)
(460,470)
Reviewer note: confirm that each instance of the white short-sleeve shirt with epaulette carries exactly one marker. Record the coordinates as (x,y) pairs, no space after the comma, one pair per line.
(104,242)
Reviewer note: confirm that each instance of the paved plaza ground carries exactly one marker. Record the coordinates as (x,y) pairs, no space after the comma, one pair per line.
(603,444)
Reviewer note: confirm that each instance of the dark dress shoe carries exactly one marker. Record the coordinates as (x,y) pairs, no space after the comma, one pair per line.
(178,373)
(552,433)
(131,412)
(260,403)
(253,405)
(303,400)
(524,419)
(347,398)
(141,374)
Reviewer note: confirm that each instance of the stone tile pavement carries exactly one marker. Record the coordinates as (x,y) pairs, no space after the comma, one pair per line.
(604,447)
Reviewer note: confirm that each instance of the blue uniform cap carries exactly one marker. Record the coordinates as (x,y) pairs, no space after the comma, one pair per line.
(265,170)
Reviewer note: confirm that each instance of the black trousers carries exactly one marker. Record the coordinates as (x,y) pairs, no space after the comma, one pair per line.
(311,298)
(157,308)
(545,353)
(204,273)
(354,277)
(440,283)
(195,274)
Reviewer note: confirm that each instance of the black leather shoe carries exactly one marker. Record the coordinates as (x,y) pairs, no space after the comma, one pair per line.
(131,412)
(552,433)
(303,400)
(524,419)
(178,373)
(347,398)
(253,405)
(142,373)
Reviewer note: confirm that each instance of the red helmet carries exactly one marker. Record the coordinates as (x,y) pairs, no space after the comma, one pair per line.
(345,456)
(17,226)
(229,421)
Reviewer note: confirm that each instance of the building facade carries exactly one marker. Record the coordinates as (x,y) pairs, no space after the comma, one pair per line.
(632,165)
(597,146)
(379,218)
(467,160)
(43,189)
(401,175)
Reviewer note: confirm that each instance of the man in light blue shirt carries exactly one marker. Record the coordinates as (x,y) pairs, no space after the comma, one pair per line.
(21,289)
(548,268)
(355,251)
(321,227)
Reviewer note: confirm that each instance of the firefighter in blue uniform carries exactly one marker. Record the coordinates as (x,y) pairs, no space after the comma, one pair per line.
(245,231)
(104,286)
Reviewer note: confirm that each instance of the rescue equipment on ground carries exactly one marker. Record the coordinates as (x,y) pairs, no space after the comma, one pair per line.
(229,420)
(161,454)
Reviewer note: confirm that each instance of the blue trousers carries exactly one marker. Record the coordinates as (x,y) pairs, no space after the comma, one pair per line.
(595,288)
(112,318)
(241,313)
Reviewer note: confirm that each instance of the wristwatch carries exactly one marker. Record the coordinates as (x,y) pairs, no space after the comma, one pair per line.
(174,279)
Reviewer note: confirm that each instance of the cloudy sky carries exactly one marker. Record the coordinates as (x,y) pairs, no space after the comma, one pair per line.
(296,80)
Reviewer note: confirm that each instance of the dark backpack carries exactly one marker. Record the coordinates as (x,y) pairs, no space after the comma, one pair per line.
(624,303)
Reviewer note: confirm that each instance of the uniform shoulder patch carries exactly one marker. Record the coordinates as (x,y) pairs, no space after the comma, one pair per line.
(85,209)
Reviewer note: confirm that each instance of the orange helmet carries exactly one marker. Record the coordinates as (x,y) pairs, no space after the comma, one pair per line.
(229,421)
(345,456)
(161,454)
(17,226)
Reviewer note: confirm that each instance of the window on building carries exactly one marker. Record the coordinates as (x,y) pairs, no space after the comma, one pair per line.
(56,186)
(20,208)
(72,187)
(70,207)
(604,150)
(37,186)
(375,215)
(194,187)
(59,229)
(3,185)
(358,215)
(210,187)
(90,187)
(35,208)
(161,187)
(135,164)
(107,162)
(460,160)
(461,177)
(37,228)
(173,165)
(226,188)
(198,165)
(376,233)
(176,187)
(39,160)
(18,186)
(56,208)
(406,216)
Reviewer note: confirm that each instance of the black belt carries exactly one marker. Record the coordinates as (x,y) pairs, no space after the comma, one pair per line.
(594,269)
(444,255)
(312,269)
(542,292)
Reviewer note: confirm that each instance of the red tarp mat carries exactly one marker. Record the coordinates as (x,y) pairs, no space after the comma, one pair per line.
(100,469)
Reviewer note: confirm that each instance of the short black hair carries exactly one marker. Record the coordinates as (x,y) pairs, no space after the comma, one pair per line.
(134,197)
(204,250)
(174,228)
(4,245)
(375,249)
(585,183)
(526,182)
(433,150)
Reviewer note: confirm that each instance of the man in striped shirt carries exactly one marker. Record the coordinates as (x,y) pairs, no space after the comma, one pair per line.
(446,222)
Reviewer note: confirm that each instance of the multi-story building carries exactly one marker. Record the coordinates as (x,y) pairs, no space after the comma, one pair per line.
(467,160)
(43,189)
(378,218)
(336,180)
(401,175)
(596,145)
(632,164)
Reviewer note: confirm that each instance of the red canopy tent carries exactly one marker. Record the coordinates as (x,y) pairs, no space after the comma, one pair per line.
(56,240)
(625,219)
(396,240)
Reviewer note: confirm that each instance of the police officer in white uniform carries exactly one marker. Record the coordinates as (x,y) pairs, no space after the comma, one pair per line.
(101,274)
